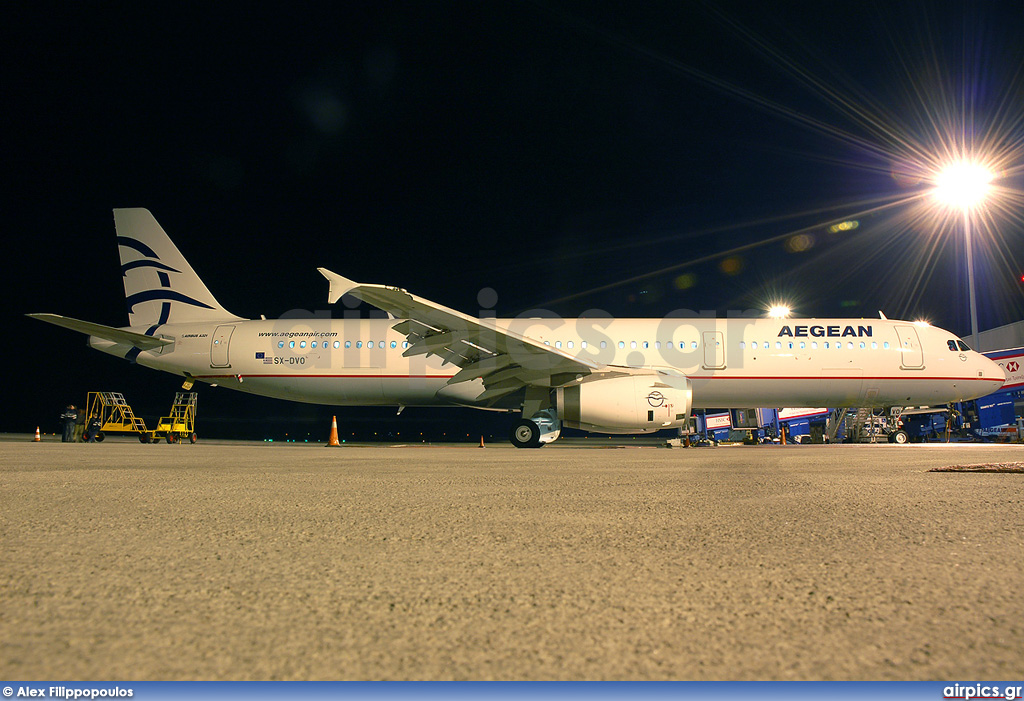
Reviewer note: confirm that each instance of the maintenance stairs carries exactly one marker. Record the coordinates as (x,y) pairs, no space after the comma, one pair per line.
(864,426)
(113,412)
(116,416)
(182,420)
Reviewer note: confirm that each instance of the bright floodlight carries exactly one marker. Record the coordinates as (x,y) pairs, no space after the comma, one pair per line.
(963,184)
(778,311)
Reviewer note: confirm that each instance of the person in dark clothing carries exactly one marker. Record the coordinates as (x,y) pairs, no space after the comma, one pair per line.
(68,417)
(94,430)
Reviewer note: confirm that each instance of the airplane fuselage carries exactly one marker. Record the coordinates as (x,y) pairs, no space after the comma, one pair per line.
(730,362)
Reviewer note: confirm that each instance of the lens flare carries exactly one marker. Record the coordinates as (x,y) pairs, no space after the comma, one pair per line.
(963,185)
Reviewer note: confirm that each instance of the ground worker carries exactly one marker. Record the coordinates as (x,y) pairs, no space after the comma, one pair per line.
(93,430)
(68,417)
(79,426)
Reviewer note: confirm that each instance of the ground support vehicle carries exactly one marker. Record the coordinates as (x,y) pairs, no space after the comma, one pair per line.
(110,413)
(180,424)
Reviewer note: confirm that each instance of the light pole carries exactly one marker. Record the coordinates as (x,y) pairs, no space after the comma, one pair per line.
(970,280)
(963,186)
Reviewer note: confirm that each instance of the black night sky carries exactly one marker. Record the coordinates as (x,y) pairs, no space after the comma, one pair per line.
(633,157)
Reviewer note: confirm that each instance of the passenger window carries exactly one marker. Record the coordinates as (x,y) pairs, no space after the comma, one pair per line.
(622,344)
(874,345)
(646,345)
(657,345)
(359,344)
(291,344)
(369,344)
(394,344)
(632,344)
(803,344)
(558,344)
(547,343)
(863,345)
(826,344)
(348,344)
(849,345)
(313,344)
(742,345)
(693,344)
(753,345)
(778,344)
(963,346)
(583,344)
(604,344)
(280,344)
(337,344)
(302,344)
(405,344)
(885,345)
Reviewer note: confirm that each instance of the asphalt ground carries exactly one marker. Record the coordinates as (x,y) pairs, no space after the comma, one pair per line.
(123,561)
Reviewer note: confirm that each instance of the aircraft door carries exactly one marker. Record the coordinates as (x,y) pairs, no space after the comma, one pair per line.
(714,350)
(219,347)
(911,354)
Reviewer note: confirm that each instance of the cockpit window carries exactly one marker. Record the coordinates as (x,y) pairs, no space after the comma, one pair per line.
(951,344)
(963,346)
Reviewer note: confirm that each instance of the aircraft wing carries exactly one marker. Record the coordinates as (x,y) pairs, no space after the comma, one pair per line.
(505,361)
(109,333)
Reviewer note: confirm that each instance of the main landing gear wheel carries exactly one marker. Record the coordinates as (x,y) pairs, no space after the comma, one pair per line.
(899,437)
(525,434)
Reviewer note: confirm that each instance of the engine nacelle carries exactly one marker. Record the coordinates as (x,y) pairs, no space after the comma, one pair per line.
(633,404)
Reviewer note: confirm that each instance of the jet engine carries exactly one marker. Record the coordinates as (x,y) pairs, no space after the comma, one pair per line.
(632,404)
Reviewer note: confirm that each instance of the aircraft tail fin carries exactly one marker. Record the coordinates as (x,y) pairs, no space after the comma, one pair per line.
(160,286)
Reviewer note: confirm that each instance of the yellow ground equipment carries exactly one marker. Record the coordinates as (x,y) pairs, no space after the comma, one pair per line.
(115,416)
(181,424)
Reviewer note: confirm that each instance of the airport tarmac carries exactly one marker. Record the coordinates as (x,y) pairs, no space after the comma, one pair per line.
(124,561)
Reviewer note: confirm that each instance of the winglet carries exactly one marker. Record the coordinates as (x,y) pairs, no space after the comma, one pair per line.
(338,285)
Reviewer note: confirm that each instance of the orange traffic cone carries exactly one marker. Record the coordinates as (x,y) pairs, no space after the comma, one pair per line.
(481,441)
(333,441)
(37,438)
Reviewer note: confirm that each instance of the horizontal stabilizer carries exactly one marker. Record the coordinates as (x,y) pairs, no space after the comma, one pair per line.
(109,333)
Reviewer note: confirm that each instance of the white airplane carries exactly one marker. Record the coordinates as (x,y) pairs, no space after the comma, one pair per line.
(597,374)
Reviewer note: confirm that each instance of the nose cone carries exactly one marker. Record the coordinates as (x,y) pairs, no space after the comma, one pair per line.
(991,370)
(986,377)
